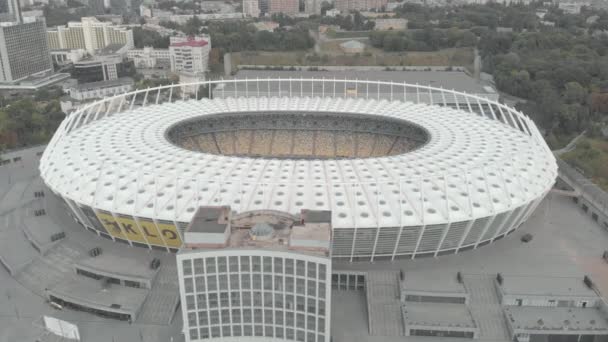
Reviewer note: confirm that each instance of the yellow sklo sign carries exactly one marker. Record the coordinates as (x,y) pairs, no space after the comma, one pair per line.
(127,228)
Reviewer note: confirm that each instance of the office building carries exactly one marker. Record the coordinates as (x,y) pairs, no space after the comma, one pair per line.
(357,5)
(189,54)
(259,275)
(251,8)
(283,6)
(10,10)
(24,50)
(89,34)
(312,6)
(149,57)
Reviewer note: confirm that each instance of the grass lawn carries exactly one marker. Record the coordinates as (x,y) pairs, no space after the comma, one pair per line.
(348,34)
(332,55)
(591,156)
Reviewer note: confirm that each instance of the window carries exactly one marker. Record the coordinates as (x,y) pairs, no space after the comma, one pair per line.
(256,263)
(190,303)
(257,281)
(289,285)
(267,282)
(311,287)
(300,286)
(221,265)
(245,264)
(268,264)
(202,318)
(210,265)
(312,270)
(278,283)
(187,266)
(300,303)
(289,266)
(235,299)
(236,316)
(278,265)
(212,282)
(234,282)
(200,284)
(233,262)
(321,288)
(245,281)
(300,268)
(268,316)
(188,287)
(312,307)
(321,308)
(213,300)
(257,315)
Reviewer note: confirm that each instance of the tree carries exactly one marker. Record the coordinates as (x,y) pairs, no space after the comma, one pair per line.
(574,93)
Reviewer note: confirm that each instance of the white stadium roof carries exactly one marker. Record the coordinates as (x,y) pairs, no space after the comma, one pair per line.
(471,167)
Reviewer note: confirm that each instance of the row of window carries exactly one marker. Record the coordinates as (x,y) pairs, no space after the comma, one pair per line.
(235,264)
(255,299)
(248,281)
(256,316)
(257,330)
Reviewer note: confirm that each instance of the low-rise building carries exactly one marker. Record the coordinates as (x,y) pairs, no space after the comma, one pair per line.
(552,308)
(266,25)
(390,24)
(149,57)
(352,46)
(97,90)
(332,12)
(67,56)
(190,54)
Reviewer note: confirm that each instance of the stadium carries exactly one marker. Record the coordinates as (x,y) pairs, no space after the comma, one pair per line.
(406,170)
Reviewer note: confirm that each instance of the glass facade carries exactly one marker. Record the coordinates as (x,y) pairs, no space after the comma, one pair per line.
(255,296)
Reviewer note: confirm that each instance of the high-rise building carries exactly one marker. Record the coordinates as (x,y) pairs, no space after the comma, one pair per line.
(261,275)
(24,50)
(189,54)
(10,10)
(284,6)
(89,34)
(251,8)
(352,5)
(312,6)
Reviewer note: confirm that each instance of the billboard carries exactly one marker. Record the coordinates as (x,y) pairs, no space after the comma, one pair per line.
(148,228)
(170,234)
(61,328)
(113,227)
(130,229)
(164,233)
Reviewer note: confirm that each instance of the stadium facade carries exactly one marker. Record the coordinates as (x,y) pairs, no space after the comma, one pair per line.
(406,170)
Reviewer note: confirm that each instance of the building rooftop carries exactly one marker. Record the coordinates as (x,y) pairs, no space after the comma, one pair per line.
(104,84)
(132,265)
(432,282)
(264,229)
(352,44)
(192,42)
(542,286)
(97,294)
(438,314)
(552,320)
(209,220)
